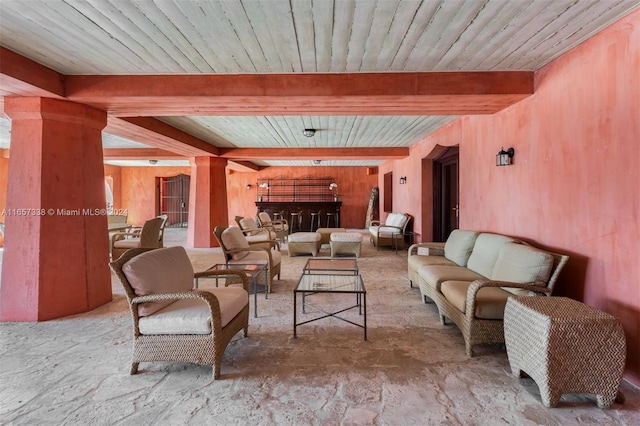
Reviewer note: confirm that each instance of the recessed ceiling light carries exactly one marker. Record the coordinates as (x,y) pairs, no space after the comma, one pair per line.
(309,132)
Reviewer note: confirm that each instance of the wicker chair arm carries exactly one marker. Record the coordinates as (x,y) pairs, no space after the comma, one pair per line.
(121,236)
(227,272)
(248,231)
(475,286)
(397,230)
(434,249)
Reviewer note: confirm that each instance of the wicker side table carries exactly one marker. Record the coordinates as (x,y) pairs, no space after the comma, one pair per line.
(565,346)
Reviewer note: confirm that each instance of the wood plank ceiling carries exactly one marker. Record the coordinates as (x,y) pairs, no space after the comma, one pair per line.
(189,37)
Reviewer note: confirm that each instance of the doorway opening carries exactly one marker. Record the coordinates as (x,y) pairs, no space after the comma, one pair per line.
(446,193)
(173,199)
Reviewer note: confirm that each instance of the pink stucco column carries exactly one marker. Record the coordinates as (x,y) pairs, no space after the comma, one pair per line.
(55,260)
(208,200)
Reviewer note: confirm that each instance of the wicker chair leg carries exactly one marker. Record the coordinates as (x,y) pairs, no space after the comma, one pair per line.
(468,349)
(245,331)
(134,368)
(443,320)
(216,369)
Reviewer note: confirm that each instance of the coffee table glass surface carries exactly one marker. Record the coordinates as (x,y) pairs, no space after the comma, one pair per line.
(312,284)
(329,265)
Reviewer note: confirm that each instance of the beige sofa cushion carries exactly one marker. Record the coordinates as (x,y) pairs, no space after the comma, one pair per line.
(485,253)
(434,275)
(415,262)
(521,263)
(192,316)
(147,273)
(459,246)
(233,239)
(490,301)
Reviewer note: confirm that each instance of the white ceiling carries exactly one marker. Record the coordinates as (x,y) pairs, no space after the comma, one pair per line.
(299,36)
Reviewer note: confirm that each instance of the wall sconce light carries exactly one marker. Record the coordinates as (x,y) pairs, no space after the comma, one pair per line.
(248,186)
(403,180)
(503,158)
(309,132)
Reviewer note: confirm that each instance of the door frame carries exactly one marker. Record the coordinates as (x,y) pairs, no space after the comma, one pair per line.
(451,155)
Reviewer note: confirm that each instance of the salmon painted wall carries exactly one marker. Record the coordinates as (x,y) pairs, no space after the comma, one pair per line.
(138,194)
(415,197)
(4,182)
(354,187)
(574,186)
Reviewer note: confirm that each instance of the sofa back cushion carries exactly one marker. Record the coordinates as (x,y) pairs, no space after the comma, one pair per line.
(485,253)
(166,270)
(234,239)
(459,246)
(521,263)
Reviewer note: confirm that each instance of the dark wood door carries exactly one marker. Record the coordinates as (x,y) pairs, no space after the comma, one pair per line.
(446,200)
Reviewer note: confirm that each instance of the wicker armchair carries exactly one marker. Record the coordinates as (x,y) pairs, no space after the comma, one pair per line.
(391,232)
(237,250)
(280,226)
(255,235)
(159,288)
(147,237)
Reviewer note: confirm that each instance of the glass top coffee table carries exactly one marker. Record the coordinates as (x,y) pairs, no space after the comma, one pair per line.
(330,266)
(254,272)
(312,284)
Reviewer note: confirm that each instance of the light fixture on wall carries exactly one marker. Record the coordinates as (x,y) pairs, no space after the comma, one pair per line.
(503,158)
(248,186)
(309,132)
(403,180)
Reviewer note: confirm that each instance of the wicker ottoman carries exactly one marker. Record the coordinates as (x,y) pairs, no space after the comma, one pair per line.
(346,243)
(565,346)
(303,242)
(325,234)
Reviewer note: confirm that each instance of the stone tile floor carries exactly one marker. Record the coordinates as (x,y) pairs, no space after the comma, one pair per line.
(411,371)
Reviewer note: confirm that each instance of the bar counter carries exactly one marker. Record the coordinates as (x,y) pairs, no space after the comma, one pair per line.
(306,207)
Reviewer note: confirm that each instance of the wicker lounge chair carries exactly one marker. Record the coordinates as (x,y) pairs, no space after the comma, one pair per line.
(159,288)
(237,250)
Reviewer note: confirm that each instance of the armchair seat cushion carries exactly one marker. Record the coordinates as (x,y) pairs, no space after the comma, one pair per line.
(435,275)
(148,274)
(490,301)
(192,316)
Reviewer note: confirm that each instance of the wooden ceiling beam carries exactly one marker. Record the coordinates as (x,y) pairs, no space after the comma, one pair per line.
(155,133)
(451,93)
(314,153)
(140,154)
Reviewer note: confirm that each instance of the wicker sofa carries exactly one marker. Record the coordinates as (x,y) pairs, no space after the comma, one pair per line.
(471,276)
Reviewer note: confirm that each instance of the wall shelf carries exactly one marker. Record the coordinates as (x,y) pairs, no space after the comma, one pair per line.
(303,189)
